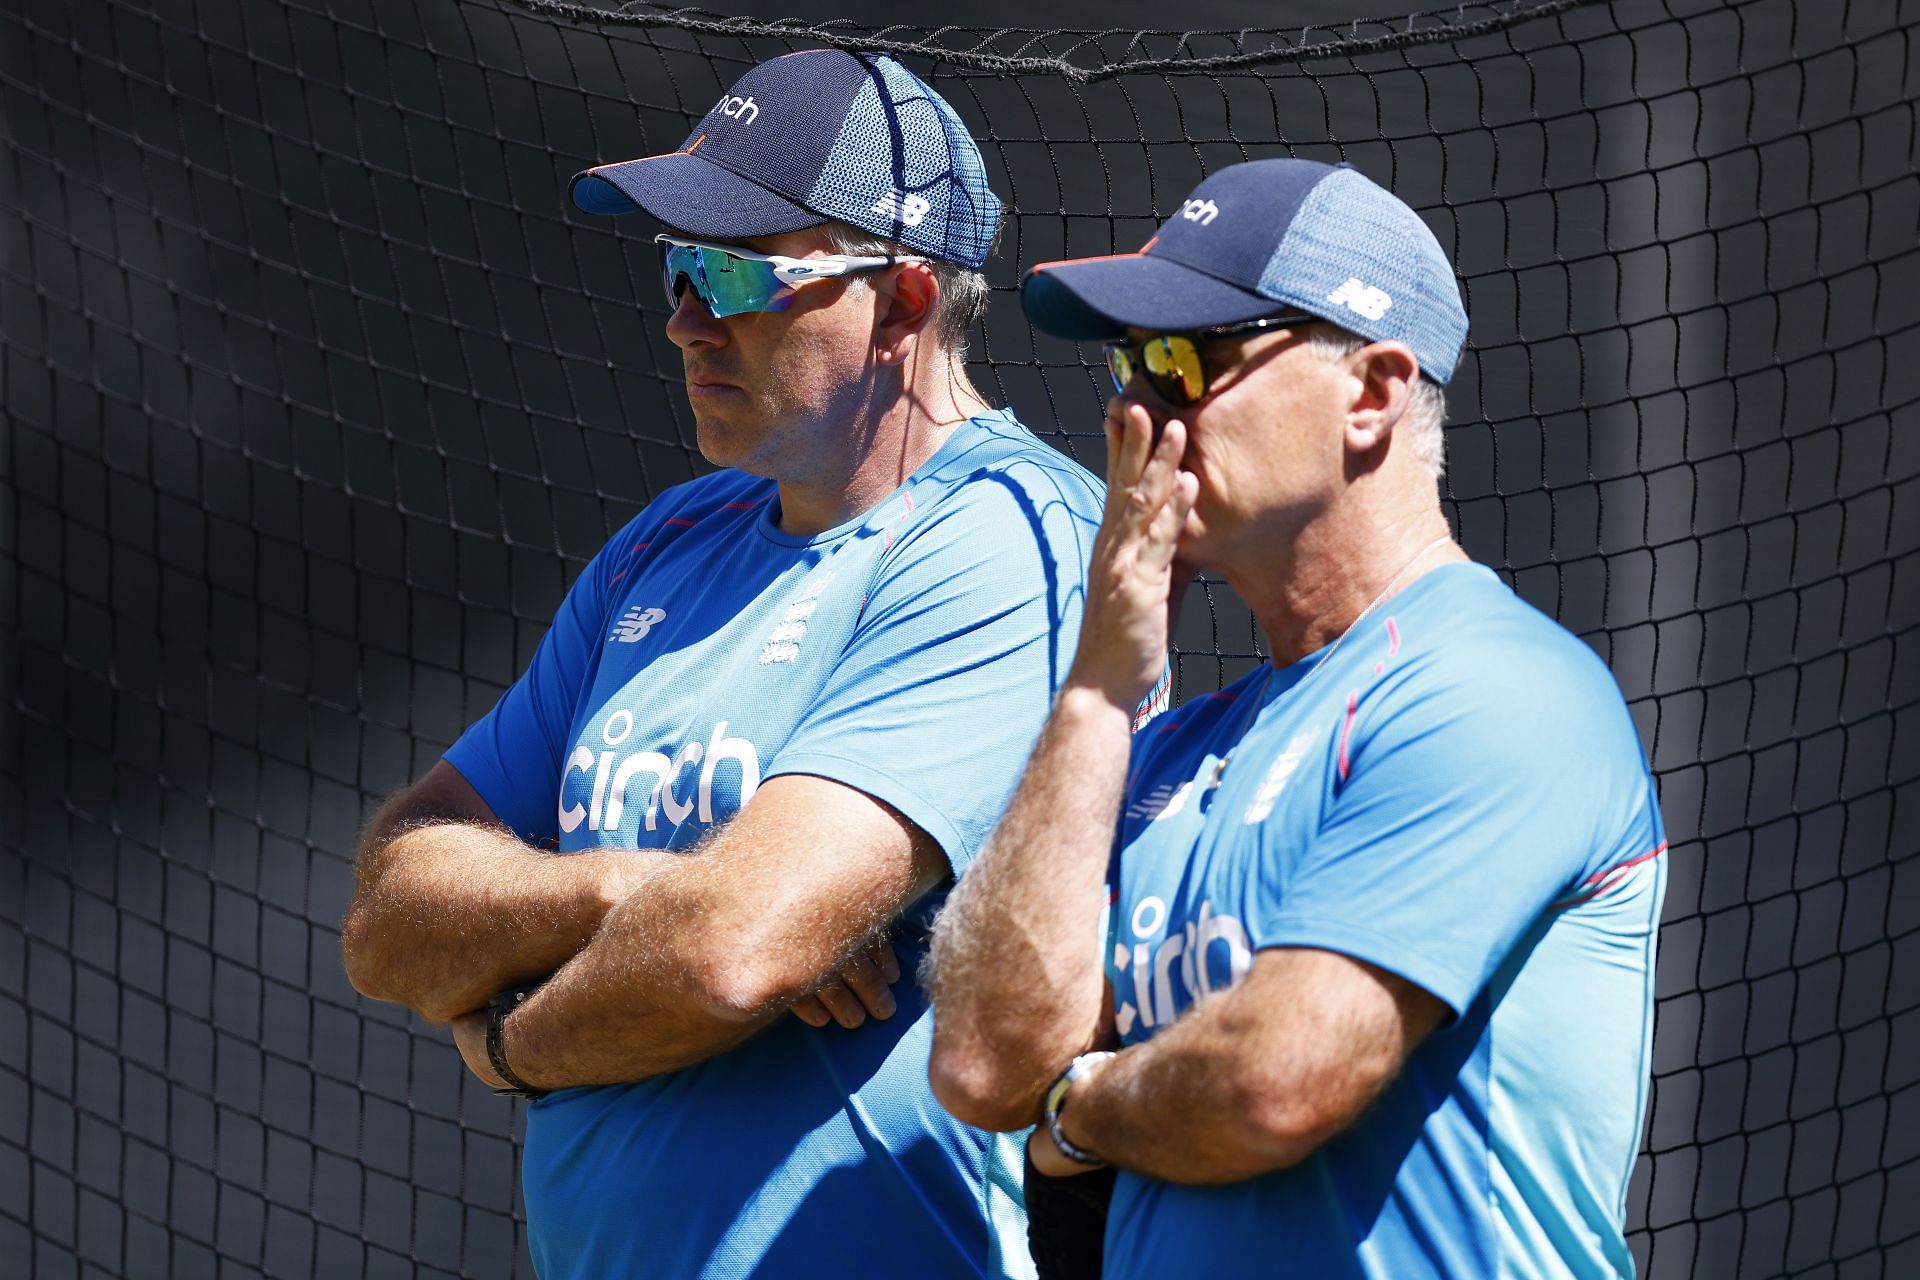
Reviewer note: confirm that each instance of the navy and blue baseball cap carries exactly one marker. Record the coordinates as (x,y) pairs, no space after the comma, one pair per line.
(811,136)
(1263,237)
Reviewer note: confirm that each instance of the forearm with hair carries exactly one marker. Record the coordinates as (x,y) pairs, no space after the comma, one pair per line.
(446,913)
(1255,1078)
(1017,981)
(637,1001)
(724,938)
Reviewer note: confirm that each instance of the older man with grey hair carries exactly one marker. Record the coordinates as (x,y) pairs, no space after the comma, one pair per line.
(1371,994)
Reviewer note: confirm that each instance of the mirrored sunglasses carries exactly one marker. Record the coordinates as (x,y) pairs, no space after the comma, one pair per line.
(1171,363)
(734,281)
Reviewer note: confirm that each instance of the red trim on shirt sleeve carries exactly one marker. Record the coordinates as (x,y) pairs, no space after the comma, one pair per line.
(1346,731)
(1601,881)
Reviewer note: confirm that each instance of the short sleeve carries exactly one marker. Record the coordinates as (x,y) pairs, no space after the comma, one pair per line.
(512,754)
(1469,806)
(967,632)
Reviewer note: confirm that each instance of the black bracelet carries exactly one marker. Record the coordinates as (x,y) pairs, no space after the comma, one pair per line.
(497,1010)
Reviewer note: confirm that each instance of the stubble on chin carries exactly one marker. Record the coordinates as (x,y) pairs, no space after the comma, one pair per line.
(725,440)
(717,444)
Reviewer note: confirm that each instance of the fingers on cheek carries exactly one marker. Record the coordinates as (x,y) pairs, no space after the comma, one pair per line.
(1138,438)
(1150,426)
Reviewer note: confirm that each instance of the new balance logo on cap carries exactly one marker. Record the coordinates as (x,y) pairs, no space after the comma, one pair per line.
(840,129)
(1200,211)
(745,110)
(897,204)
(1269,233)
(1363,299)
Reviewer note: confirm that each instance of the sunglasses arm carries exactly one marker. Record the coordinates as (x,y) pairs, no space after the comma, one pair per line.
(796,271)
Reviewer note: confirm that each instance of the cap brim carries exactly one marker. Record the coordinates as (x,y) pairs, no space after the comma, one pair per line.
(690,193)
(1099,298)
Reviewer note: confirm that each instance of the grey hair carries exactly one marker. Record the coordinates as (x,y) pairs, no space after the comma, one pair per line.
(963,290)
(1426,413)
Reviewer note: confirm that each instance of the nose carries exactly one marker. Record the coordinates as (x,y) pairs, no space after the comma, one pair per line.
(692,323)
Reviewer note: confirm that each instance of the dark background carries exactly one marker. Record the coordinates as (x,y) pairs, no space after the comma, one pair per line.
(316,394)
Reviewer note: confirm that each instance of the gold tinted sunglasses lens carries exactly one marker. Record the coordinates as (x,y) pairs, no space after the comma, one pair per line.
(1120,366)
(1173,362)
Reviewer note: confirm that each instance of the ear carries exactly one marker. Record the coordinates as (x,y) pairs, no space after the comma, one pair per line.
(1381,378)
(908,294)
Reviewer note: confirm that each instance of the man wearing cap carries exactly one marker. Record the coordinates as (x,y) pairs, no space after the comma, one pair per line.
(775,716)
(1373,991)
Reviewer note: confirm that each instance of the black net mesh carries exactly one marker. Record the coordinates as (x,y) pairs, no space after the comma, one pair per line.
(317,394)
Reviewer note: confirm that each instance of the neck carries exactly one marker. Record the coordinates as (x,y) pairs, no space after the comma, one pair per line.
(893,434)
(1328,575)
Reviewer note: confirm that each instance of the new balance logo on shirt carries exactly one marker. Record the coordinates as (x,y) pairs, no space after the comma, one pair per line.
(1163,800)
(634,626)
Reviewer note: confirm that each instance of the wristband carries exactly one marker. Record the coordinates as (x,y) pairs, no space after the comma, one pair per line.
(1057,1102)
(497,1010)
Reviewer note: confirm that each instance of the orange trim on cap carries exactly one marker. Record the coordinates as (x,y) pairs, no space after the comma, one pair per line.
(595,170)
(1098,257)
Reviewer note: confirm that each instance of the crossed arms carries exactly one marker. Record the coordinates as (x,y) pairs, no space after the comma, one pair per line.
(1251,1080)
(659,960)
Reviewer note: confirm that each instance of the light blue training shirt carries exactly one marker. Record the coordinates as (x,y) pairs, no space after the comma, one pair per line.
(911,653)
(1460,798)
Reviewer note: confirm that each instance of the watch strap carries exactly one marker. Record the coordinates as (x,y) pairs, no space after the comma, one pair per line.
(497,1010)
(1076,1071)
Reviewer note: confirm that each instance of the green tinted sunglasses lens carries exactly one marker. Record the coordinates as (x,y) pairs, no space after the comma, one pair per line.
(1173,367)
(730,285)
(1120,364)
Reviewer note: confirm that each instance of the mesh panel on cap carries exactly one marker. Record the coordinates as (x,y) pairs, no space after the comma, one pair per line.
(909,143)
(1399,258)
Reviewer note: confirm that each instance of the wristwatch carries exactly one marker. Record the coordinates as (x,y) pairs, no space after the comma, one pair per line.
(497,1010)
(1057,1102)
